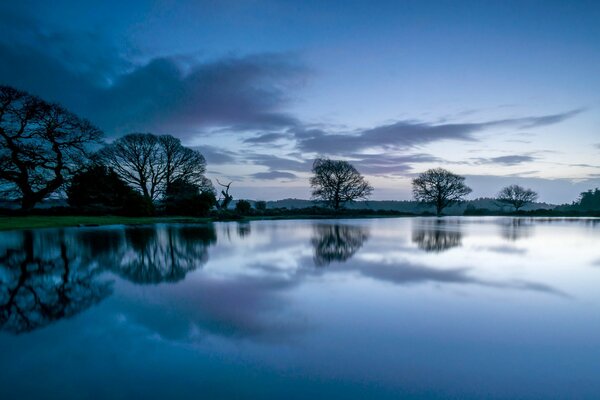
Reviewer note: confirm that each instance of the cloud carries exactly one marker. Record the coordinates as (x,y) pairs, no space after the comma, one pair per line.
(279,163)
(407,134)
(507,160)
(274,175)
(384,164)
(242,92)
(266,138)
(215,155)
(182,95)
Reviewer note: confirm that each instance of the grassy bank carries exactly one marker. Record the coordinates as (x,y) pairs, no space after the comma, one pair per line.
(37,221)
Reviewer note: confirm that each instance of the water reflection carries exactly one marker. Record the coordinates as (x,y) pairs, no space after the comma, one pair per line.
(514,229)
(436,235)
(162,255)
(337,242)
(49,275)
(41,282)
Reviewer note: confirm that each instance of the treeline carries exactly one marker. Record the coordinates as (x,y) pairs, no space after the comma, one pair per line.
(46,151)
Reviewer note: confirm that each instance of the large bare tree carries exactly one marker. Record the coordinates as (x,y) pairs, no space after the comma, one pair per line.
(516,196)
(439,188)
(41,145)
(151,163)
(336,182)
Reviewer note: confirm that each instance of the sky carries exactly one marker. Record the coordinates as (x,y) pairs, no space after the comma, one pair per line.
(501,92)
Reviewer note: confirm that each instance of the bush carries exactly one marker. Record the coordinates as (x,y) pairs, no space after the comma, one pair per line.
(185,198)
(243,207)
(99,190)
(260,205)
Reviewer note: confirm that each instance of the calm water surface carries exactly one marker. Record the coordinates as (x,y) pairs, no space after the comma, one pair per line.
(351,309)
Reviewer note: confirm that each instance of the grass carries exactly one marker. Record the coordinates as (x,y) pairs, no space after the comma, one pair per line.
(35,221)
(41,221)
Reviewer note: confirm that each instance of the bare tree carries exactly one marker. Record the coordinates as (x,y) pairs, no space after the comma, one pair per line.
(226,199)
(516,196)
(151,163)
(41,145)
(336,182)
(439,188)
(182,163)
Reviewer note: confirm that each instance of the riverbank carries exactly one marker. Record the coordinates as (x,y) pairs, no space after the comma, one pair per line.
(40,221)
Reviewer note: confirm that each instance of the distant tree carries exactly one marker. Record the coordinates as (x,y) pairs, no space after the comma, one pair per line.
(336,182)
(439,188)
(151,163)
(243,207)
(516,196)
(99,187)
(260,205)
(589,201)
(186,198)
(41,145)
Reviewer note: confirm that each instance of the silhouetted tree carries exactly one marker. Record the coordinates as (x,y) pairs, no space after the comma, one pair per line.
(437,236)
(100,188)
(243,207)
(336,182)
(43,284)
(260,205)
(337,242)
(226,198)
(185,198)
(151,163)
(183,164)
(41,145)
(516,196)
(439,188)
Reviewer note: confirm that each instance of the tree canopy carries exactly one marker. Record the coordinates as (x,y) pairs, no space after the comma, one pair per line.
(336,182)
(41,146)
(439,188)
(516,196)
(151,163)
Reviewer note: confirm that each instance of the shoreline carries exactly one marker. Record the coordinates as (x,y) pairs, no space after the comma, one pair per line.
(9,223)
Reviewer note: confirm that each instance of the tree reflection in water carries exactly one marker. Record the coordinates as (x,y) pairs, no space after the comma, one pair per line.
(513,229)
(436,235)
(42,282)
(163,254)
(338,242)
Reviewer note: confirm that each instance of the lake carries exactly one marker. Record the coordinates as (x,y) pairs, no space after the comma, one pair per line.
(424,308)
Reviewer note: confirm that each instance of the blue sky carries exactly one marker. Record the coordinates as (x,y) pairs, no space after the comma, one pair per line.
(499,91)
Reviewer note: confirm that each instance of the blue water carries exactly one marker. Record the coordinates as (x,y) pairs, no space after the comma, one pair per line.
(455,308)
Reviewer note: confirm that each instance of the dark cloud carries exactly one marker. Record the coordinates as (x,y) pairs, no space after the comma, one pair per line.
(179,95)
(279,163)
(384,164)
(274,175)
(266,138)
(507,160)
(215,155)
(407,134)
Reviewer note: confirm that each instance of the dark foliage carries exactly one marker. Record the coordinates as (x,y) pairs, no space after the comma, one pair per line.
(186,198)
(41,146)
(243,207)
(100,190)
